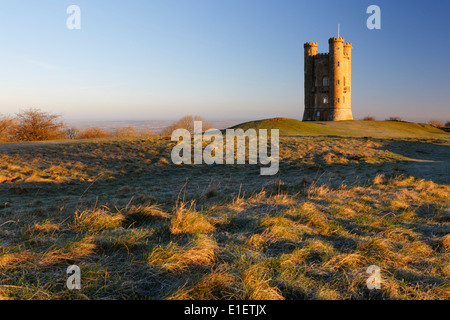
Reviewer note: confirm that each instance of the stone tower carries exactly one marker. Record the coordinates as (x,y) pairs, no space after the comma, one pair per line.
(328,82)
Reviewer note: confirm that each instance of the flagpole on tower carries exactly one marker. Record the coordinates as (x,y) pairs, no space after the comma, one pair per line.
(339,30)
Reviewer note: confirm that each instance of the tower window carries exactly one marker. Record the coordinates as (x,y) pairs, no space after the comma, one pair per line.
(338,99)
(338,81)
(338,63)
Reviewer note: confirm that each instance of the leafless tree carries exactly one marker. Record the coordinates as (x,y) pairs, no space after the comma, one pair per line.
(187,123)
(436,123)
(36,125)
(72,133)
(6,127)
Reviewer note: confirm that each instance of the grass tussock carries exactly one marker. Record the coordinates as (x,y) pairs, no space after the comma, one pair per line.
(220,284)
(16,260)
(68,252)
(282,229)
(144,215)
(257,283)
(175,258)
(96,220)
(44,228)
(188,221)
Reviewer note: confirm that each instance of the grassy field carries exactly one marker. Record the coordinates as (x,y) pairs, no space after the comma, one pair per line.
(348,195)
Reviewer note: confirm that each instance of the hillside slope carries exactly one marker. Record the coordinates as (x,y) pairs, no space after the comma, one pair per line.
(376,129)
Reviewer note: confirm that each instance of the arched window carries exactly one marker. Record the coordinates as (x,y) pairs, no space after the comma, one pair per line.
(325,82)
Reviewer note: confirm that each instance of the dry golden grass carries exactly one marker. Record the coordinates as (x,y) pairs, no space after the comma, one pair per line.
(220,284)
(142,228)
(16,260)
(282,229)
(173,258)
(190,222)
(45,228)
(96,220)
(446,242)
(257,285)
(142,215)
(347,260)
(72,251)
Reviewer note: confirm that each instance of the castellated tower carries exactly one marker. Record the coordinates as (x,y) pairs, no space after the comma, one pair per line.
(328,82)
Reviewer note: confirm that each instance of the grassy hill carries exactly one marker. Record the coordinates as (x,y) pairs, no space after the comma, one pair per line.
(376,129)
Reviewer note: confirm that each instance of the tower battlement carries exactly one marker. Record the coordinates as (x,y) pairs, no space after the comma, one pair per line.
(328,81)
(310,44)
(336,39)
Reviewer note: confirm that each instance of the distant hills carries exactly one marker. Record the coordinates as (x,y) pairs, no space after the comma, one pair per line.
(293,127)
(144,125)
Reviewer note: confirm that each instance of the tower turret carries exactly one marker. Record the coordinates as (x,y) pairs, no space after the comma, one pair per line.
(340,103)
(336,57)
(310,53)
(310,49)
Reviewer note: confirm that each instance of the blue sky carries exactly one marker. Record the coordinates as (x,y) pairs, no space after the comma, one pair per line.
(221,59)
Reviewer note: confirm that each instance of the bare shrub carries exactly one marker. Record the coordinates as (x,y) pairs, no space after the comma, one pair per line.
(369,118)
(71,133)
(436,123)
(187,123)
(36,125)
(6,128)
(148,133)
(126,132)
(447,124)
(93,133)
(395,119)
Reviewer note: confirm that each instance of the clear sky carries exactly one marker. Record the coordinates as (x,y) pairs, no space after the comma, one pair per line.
(220,59)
